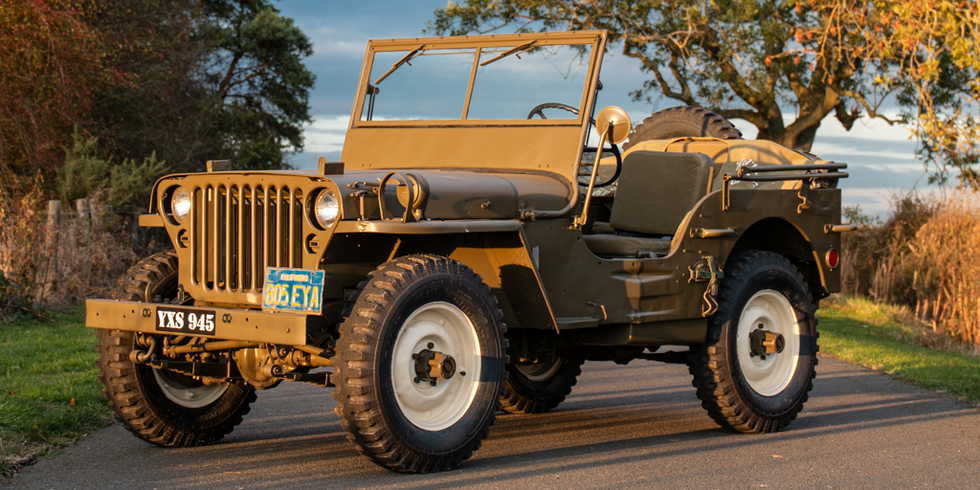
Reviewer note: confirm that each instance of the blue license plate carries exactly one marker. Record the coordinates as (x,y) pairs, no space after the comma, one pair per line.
(298,290)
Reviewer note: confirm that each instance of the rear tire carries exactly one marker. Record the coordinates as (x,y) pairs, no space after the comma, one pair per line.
(162,407)
(409,310)
(743,387)
(679,122)
(539,388)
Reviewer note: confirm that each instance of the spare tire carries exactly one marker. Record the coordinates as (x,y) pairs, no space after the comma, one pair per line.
(678,122)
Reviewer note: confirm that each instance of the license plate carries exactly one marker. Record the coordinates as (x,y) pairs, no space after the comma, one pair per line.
(184,321)
(298,290)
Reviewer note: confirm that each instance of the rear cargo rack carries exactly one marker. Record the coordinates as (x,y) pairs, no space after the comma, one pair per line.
(811,172)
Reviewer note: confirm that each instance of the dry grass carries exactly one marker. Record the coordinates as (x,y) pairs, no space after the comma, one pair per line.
(86,263)
(925,259)
(40,271)
(20,233)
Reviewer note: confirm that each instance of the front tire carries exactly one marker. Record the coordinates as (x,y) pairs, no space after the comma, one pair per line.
(539,388)
(163,407)
(421,364)
(755,371)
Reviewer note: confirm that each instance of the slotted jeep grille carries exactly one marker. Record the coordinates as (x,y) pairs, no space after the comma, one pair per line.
(237,230)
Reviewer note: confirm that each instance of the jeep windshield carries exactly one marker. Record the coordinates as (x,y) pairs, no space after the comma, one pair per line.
(517,102)
(516,81)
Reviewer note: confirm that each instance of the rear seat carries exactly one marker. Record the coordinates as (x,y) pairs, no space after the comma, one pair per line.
(655,192)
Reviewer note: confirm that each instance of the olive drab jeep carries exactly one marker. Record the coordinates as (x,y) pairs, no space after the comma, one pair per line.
(483,235)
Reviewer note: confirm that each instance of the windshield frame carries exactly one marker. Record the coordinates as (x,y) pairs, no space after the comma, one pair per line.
(594,38)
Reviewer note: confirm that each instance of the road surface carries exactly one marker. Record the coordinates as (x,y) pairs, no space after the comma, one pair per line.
(636,426)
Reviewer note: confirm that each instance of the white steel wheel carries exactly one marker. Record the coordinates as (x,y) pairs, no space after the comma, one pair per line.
(542,371)
(769,311)
(437,404)
(187,392)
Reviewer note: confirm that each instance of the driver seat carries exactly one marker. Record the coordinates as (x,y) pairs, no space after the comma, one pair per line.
(655,192)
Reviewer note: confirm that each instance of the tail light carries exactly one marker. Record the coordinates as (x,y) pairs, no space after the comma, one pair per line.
(832,258)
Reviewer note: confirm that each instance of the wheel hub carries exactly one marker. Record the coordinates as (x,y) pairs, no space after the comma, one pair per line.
(763,342)
(433,366)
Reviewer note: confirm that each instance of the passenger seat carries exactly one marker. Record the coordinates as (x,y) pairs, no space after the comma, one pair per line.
(655,192)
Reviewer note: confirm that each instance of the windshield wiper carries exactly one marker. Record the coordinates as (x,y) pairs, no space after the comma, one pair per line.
(520,49)
(417,51)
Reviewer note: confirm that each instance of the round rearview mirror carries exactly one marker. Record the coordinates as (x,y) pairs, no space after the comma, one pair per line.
(615,123)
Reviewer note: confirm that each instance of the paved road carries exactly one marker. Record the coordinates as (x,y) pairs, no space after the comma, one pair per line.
(636,426)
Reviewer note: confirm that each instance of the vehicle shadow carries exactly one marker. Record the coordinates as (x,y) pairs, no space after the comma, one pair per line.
(617,419)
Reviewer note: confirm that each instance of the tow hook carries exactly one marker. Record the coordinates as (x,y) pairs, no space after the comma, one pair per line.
(763,342)
(433,366)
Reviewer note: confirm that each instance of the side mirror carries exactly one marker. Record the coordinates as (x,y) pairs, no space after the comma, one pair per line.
(615,123)
(613,126)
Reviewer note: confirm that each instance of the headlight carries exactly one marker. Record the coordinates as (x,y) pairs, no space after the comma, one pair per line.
(327,208)
(181,204)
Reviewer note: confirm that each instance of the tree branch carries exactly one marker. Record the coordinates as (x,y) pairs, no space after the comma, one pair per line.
(226,81)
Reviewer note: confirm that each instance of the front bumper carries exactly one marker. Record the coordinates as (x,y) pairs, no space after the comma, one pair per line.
(230,324)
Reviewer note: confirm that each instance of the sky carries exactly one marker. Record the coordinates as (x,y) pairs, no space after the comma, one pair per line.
(880,158)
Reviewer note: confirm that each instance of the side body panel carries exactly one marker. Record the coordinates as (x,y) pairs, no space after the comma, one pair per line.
(586,291)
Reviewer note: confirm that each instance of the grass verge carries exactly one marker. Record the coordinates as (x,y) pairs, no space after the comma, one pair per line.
(886,338)
(49,394)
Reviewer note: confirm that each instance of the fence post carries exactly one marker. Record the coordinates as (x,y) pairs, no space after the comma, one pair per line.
(81,205)
(54,220)
(94,213)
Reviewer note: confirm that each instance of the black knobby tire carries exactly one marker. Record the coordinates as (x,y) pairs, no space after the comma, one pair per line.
(747,392)
(539,389)
(134,392)
(679,122)
(397,315)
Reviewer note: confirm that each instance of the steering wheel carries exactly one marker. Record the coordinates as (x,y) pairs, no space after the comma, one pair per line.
(619,166)
(539,110)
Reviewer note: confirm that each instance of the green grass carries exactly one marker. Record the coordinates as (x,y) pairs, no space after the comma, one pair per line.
(49,394)
(883,338)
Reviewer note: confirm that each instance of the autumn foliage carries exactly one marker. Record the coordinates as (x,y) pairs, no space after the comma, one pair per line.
(89,89)
(927,54)
(51,64)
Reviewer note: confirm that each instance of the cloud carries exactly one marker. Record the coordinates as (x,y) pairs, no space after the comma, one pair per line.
(331,43)
(326,134)
(878,200)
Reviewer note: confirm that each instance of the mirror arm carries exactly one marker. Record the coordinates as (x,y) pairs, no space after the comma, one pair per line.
(580,221)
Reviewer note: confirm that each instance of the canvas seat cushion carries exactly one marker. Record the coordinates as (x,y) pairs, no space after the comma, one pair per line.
(626,246)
